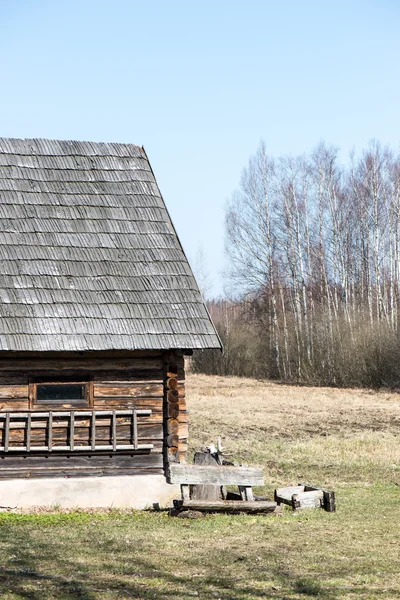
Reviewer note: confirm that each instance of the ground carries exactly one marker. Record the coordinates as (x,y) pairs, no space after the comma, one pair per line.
(343,439)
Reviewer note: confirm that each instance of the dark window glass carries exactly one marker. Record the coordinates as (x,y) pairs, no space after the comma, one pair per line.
(62,393)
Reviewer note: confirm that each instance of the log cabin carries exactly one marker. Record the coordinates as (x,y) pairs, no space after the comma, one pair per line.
(98,308)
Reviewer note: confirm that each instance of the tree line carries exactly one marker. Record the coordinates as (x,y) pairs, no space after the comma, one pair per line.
(314,278)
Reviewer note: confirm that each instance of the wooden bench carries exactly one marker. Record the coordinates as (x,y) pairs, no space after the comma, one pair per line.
(244,477)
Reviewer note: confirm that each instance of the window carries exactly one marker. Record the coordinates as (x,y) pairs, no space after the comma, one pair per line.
(68,394)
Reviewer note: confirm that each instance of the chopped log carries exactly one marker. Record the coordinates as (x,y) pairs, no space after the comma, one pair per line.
(173,396)
(229,506)
(193,474)
(172,370)
(172,410)
(205,492)
(173,426)
(311,499)
(173,440)
(172,455)
(172,383)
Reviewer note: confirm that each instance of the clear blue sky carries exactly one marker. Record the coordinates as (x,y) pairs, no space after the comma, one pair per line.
(199,84)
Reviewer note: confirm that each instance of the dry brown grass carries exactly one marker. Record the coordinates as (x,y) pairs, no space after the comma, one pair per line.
(299,432)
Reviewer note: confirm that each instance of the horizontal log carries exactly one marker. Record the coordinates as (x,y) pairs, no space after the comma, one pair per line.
(73,461)
(155,404)
(13,391)
(14,378)
(195,474)
(142,390)
(229,506)
(139,375)
(73,473)
(15,405)
(80,364)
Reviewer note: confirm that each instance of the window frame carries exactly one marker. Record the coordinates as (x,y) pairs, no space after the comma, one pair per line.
(86,381)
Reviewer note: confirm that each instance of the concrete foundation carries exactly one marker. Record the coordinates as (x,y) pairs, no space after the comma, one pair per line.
(140,491)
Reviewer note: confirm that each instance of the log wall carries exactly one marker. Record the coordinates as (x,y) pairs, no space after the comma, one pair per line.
(176,421)
(136,381)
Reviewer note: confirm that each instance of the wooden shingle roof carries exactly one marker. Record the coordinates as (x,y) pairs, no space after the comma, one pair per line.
(89,258)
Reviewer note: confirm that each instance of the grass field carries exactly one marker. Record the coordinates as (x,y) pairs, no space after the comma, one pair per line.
(344,439)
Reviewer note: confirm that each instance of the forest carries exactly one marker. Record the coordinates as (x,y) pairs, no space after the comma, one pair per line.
(314,279)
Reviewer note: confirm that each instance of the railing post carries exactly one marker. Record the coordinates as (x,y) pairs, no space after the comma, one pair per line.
(135,434)
(50,432)
(28,433)
(7,432)
(93,431)
(114,430)
(72,430)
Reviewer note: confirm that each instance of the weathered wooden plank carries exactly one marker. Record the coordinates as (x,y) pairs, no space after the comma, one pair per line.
(230,506)
(205,492)
(310,499)
(15,405)
(194,474)
(284,495)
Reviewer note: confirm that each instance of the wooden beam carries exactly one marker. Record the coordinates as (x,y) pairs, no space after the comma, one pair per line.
(195,474)
(230,506)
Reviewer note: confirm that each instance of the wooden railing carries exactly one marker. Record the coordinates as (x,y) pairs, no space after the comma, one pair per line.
(9,420)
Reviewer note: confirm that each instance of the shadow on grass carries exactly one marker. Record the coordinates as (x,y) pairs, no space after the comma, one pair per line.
(41,567)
